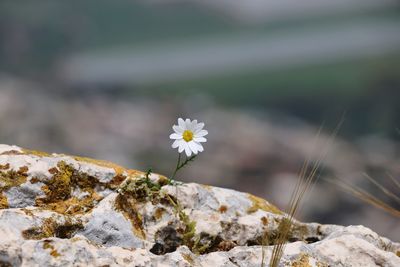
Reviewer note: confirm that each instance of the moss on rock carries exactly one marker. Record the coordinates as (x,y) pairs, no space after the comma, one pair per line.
(51,228)
(127,205)
(59,186)
(9,179)
(58,191)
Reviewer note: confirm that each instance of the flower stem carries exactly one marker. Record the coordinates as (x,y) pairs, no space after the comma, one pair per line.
(177,166)
(180,165)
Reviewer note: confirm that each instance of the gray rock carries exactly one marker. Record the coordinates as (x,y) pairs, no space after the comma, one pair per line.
(59,210)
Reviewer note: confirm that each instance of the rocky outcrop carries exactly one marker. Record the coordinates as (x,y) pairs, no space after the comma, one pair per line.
(59,210)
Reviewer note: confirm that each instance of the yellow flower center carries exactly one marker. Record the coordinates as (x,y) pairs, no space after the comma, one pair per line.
(187,135)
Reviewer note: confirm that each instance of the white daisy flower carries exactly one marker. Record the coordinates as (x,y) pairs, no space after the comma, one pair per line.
(188,136)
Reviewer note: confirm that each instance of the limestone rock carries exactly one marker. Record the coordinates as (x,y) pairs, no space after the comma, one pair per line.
(59,210)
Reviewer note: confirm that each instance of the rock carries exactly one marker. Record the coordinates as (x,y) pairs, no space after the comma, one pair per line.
(59,210)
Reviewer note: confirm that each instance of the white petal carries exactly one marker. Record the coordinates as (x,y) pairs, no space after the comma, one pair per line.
(193,147)
(181,123)
(188,124)
(200,148)
(198,127)
(177,129)
(199,139)
(176,136)
(201,133)
(175,144)
(181,147)
(187,150)
(193,125)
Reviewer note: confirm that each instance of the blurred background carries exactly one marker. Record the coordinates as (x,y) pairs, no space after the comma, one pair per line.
(108,79)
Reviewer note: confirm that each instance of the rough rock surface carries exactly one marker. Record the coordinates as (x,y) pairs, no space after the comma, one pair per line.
(59,210)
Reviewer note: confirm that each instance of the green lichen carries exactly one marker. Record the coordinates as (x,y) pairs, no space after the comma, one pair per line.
(189,229)
(197,243)
(204,243)
(142,188)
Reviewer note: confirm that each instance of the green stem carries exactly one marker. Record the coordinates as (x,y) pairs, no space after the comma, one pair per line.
(147,176)
(177,166)
(187,161)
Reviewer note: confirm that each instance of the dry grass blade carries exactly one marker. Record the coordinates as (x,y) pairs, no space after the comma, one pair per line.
(382,188)
(396,182)
(365,196)
(283,231)
(305,181)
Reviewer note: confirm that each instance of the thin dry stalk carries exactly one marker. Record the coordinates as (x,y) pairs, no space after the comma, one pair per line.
(396,182)
(303,185)
(366,197)
(382,188)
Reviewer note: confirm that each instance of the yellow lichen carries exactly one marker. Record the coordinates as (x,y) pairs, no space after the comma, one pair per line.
(158,213)
(102,163)
(27,211)
(58,191)
(5,166)
(35,153)
(3,201)
(45,230)
(127,204)
(10,179)
(206,186)
(53,252)
(12,152)
(73,205)
(59,186)
(300,231)
(188,258)
(302,261)
(264,220)
(322,264)
(262,204)
(119,170)
(51,228)
(116,181)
